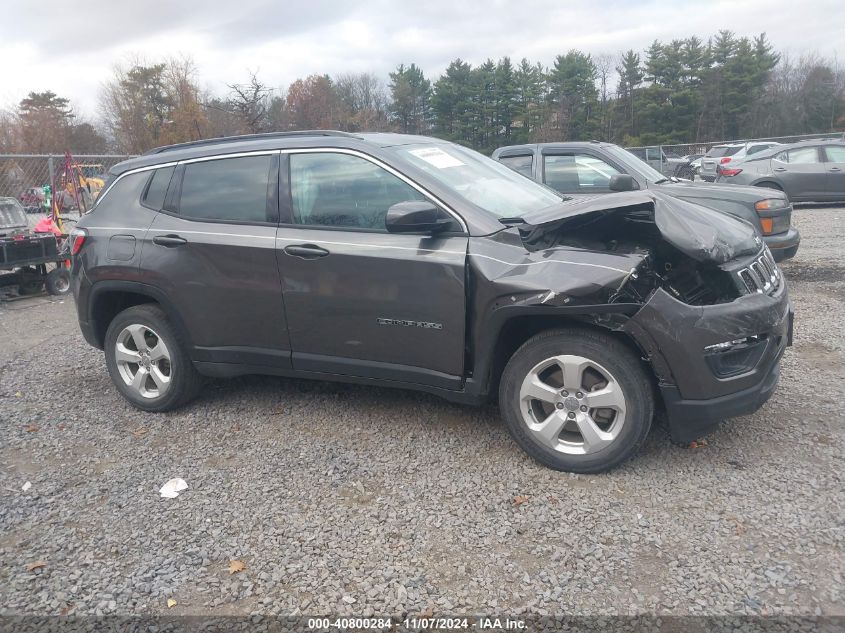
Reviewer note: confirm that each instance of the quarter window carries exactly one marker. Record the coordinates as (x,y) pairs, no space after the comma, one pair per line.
(227,189)
(521,164)
(578,173)
(156,190)
(341,190)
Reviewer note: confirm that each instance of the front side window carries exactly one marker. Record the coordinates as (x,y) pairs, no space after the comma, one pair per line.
(578,173)
(522,164)
(227,189)
(341,190)
(803,155)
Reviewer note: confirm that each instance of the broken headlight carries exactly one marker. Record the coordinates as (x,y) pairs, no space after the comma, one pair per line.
(736,357)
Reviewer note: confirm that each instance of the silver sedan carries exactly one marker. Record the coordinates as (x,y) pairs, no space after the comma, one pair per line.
(806,171)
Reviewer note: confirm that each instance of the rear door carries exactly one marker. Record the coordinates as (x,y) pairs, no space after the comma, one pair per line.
(801,172)
(361,301)
(834,165)
(212,251)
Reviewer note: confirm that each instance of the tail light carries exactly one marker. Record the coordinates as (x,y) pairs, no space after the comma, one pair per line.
(729,172)
(77,239)
(725,160)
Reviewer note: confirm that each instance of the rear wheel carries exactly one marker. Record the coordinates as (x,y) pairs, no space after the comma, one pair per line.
(769,185)
(147,361)
(576,400)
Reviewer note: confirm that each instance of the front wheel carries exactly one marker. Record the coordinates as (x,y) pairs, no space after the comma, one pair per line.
(576,400)
(147,361)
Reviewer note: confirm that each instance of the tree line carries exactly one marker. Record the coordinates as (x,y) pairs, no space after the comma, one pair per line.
(681,91)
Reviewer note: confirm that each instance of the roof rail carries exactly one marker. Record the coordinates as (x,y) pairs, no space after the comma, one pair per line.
(248,137)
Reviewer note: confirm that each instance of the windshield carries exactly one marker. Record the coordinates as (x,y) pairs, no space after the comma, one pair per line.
(635,163)
(481,181)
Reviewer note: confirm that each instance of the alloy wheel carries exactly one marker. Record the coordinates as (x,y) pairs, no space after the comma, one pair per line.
(572,405)
(143,361)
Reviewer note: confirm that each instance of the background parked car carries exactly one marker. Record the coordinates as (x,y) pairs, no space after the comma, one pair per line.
(692,167)
(727,153)
(805,171)
(578,169)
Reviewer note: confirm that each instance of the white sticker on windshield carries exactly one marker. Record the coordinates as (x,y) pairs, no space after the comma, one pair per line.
(437,157)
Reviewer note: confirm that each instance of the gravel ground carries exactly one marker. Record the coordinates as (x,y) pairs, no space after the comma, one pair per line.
(345,499)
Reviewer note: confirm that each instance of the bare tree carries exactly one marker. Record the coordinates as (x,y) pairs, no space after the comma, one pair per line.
(250,103)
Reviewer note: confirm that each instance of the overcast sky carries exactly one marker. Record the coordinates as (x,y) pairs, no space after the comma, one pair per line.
(70,48)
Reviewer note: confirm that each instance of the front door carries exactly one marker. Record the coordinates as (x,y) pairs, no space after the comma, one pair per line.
(361,301)
(212,251)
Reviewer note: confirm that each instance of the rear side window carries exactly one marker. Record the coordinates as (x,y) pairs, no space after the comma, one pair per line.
(803,155)
(522,164)
(722,150)
(227,189)
(835,154)
(157,188)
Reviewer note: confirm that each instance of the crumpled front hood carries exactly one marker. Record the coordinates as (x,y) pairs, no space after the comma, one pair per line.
(697,231)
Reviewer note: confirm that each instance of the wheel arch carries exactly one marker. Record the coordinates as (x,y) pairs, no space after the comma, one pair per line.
(768,180)
(110,298)
(513,326)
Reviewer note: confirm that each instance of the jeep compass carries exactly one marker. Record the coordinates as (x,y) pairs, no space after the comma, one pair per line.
(411,262)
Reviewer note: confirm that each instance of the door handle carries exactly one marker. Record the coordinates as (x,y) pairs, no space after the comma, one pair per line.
(306,251)
(780,168)
(835,169)
(169,240)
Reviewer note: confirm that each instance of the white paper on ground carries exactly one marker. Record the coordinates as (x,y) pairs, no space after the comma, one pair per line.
(26,486)
(172,488)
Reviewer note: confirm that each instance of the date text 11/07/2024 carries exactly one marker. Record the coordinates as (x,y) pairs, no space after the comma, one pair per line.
(420,623)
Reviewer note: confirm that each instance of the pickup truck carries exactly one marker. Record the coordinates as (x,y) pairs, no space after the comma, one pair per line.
(581,169)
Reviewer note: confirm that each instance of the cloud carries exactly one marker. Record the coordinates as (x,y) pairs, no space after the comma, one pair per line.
(57,45)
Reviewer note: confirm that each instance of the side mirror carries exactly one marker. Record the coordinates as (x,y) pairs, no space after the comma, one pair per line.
(415,216)
(622,182)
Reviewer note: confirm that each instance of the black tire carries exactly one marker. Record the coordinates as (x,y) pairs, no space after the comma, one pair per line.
(769,185)
(58,281)
(625,366)
(185,381)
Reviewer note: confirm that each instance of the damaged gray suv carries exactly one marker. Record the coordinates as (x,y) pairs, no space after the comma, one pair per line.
(411,262)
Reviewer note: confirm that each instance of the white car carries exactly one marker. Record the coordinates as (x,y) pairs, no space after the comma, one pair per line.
(727,153)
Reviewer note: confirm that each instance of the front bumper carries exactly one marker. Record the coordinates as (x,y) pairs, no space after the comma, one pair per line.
(674,335)
(783,245)
(691,419)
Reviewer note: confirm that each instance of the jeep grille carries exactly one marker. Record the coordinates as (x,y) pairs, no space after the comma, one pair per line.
(762,275)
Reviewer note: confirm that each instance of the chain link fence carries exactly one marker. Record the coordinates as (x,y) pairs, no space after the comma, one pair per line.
(25,176)
(684,160)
